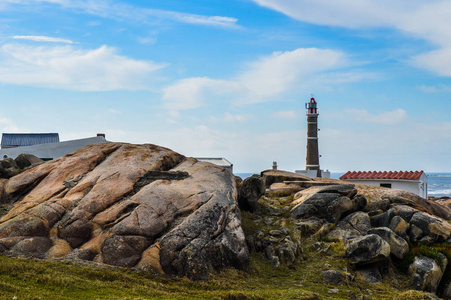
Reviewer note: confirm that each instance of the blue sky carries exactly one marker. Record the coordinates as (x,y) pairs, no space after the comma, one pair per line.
(230,78)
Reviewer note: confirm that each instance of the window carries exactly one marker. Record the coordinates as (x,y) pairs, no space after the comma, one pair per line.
(387,185)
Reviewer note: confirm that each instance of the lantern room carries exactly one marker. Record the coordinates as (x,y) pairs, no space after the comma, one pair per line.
(311,106)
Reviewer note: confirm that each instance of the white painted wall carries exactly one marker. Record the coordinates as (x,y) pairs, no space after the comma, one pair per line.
(418,187)
(312,173)
(52,150)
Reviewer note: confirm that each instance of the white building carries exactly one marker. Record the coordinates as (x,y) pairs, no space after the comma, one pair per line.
(414,182)
(44,149)
(219,161)
(313,173)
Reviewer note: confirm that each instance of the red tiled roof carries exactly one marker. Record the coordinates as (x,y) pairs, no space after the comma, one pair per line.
(406,175)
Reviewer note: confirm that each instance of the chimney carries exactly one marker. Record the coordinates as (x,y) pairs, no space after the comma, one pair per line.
(274,165)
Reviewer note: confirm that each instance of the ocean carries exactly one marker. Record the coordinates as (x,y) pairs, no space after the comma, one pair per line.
(439,184)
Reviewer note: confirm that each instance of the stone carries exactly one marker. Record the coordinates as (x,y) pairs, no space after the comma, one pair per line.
(309,226)
(384,219)
(426,273)
(354,225)
(283,189)
(287,251)
(333,291)
(415,233)
(438,229)
(398,246)
(343,189)
(403,197)
(32,247)
(328,203)
(424,205)
(332,276)
(8,168)
(367,249)
(369,273)
(127,205)
(381,204)
(399,226)
(26,160)
(274,176)
(250,191)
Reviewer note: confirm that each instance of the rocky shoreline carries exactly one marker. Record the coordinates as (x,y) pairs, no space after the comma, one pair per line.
(148,208)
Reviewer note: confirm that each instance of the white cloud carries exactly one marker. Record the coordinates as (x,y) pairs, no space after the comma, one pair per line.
(122,11)
(65,67)
(387,118)
(263,79)
(114,111)
(42,39)
(435,89)
(7,125)
(288,114)
(231,118)
(425,20)
(194,92)
(438,61)
(279,72)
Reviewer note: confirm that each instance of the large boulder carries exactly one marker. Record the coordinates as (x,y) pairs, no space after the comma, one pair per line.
(435,228)
(398,246)
(250,191)
(352,226)
(26,160)
(275,176)
(330,203)
(401,197)
(367,249)
(384,219)
(426,273)
(399,226)
(127,205)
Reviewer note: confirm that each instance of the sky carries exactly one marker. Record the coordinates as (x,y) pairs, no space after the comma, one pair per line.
(230,78)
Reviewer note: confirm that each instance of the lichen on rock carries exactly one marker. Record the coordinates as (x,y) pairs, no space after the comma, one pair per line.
(127,205)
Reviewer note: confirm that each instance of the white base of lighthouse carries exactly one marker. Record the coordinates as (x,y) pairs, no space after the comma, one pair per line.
(313,173)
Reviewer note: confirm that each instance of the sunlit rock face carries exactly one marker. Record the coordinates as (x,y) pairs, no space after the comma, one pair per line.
(126,205)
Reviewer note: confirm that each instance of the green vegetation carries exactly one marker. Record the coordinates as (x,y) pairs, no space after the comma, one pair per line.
(33,279)
(431,251)
(4,209)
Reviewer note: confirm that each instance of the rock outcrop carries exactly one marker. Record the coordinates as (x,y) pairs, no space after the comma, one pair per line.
(275,176)
(330,203)
(367,249)
(11,167)
(426,273)
(250,191)
(126,205)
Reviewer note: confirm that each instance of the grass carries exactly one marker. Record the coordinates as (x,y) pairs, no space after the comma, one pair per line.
(33,279)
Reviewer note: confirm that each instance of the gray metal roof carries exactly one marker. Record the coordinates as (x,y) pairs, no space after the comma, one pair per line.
(28,139)
(219,161)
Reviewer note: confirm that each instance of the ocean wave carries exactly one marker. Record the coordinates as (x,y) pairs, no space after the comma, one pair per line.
(439,192)
(441,175)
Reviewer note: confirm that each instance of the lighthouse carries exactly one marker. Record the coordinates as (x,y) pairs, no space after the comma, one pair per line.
(312,137)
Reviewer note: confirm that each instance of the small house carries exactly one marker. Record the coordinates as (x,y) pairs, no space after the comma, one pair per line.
(412,181)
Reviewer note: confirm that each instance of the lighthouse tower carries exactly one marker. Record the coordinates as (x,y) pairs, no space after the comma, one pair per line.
(312,137)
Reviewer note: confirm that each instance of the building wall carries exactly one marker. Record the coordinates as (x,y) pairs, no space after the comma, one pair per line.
(313,173)
(52,150)
(418,187)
